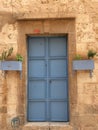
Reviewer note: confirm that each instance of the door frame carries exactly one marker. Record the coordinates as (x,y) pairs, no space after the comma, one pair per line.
(25,29)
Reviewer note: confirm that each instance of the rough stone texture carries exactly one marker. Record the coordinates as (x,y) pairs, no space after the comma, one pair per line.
(47,126)
(77,18)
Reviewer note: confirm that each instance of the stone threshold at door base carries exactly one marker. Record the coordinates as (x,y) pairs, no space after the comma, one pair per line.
(47,126)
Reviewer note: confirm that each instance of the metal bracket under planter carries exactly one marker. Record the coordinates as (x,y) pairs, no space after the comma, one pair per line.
(84,65)
(11,66)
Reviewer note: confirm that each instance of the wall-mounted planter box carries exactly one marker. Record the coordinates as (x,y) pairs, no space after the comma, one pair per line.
(11,66)
(83,65)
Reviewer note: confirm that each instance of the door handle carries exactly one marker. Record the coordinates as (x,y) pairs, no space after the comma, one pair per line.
(50,81)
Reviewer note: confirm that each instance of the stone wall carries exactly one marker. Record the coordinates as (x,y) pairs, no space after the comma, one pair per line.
(84,95)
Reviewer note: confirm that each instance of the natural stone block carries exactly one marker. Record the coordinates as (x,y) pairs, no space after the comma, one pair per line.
(0,99)
(88,128)
(90,109)
(83,18)
(3,109)
(90,88)
(11,109)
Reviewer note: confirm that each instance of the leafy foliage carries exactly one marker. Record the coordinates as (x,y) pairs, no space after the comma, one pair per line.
(6,54)
(91,54)
(19,57)
(78,57)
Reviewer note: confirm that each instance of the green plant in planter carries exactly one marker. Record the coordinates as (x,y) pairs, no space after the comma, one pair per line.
(78,57)
(6,54)
(91,54)
(19,57)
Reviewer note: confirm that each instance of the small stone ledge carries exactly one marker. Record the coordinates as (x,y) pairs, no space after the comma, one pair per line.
(47,126)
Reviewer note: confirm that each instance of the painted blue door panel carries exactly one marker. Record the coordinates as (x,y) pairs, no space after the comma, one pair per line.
(58,89)
(57,46)
(37,47)
(37,89)
(37,111)
(47,79)
(37,68)
(58,111)
(57,68)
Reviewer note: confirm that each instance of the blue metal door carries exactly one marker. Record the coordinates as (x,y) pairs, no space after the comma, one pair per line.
(47,79)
